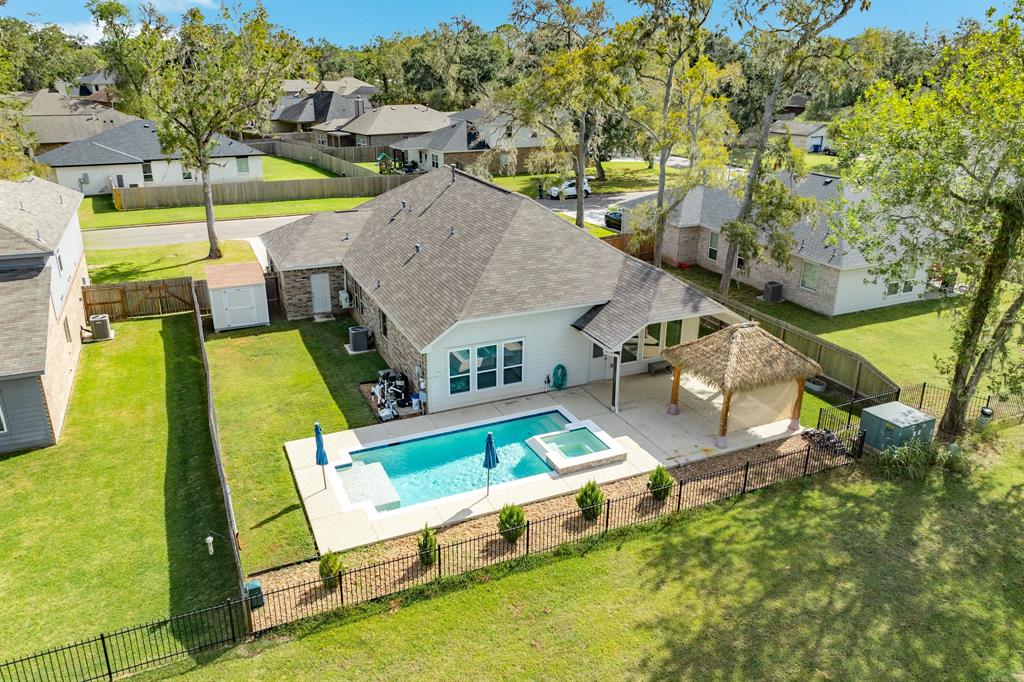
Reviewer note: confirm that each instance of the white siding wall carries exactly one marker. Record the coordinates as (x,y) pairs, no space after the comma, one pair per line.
(164,173)
(853,293)
(99,177)
(689,332)
(70,250)
(549,340)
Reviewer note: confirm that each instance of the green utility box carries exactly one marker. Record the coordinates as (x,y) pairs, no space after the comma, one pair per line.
(894,424)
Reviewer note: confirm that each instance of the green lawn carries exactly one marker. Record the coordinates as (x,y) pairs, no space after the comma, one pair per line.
(279,168)
(817,163)
(161,262)
(369,165)
(901,340)
(592,228)
(97,212)
(623,176)
(839,577)
(270,385)
(106,528)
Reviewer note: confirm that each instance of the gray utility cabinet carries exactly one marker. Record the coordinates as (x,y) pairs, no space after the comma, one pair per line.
(893,424)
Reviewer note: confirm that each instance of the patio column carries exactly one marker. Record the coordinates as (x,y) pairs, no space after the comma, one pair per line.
(673,404)
(794,421)
(615,383)
(723,422)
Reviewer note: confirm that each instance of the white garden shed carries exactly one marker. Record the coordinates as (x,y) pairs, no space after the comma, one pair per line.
(238,295)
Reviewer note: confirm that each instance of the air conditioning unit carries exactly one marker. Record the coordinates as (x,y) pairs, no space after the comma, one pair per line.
(101,329)
(358,339)
(344,299)
(772,292)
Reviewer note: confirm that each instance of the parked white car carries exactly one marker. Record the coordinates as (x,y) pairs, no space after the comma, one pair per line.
(567,190)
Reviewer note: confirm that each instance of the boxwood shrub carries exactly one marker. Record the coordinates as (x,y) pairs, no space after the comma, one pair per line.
(589,499)
(331,569)
(428,545)
(511,522)
(660,483)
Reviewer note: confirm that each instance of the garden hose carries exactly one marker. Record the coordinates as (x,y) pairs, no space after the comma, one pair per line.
(559,377)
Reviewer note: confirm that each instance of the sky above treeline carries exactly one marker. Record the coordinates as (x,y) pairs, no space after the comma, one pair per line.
(354,22)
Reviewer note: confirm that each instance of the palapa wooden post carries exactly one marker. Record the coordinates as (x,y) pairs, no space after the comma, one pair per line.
(794,421)
(723,423)
(673,405)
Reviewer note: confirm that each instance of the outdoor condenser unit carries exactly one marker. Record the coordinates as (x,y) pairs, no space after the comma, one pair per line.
(357,339)
(893,424)
(101,329)
(772,292)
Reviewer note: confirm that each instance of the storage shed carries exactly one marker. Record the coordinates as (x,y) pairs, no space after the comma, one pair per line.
(238,295)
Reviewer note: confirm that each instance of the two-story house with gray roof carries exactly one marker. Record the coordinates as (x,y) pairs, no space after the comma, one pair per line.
(42,270)
(480,293)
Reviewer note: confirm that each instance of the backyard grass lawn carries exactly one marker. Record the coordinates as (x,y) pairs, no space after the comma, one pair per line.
(901,340)
(270,385)
(369,165)
(97,212)
(106,528)
(623,176)
(838,577)
(279,168)
(161,262)
(592,228)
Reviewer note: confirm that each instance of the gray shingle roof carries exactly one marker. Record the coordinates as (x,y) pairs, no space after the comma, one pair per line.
(25,301)
(133,142)
(34,214)
(314,241)
(802,128)
(461,136)
(319,107)
(507,254)
(58,119)
(398,119)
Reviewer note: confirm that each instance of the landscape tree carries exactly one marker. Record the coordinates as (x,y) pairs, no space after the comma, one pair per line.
(945,167)
(330,61)
(385,57)
(787,34)
(16,158)
(36,57)
(198,80)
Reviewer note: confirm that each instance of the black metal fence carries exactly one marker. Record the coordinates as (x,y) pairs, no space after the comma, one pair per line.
(926,397)
(152,644)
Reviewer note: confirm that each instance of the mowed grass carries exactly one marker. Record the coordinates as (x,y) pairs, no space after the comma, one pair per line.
(162,262)
(270,385)
(98,212)
(901,340)
(106,529)
(592,228)
(841,576)
(279,168)
(622,176)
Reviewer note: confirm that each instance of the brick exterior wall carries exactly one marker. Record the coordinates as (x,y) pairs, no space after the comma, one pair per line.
(821,300)
(396,349)
(297,296)
(679,245)
(62,355)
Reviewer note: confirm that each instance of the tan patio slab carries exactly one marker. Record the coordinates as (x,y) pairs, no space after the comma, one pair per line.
(525,404)
(581,403)
(319,501)
(464,415)
(341,531)
(389,526)
(454,511)
(408,427)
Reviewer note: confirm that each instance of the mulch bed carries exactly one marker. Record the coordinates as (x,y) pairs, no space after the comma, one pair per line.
(385,567)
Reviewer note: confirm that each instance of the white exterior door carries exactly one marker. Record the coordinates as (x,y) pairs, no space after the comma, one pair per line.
(600,364)
(239,307)
(320,283)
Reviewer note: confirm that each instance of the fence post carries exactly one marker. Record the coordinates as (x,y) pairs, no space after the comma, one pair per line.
(807,460)
(438,560)
(607,513)
(231,620)
(106,657)
(821,416)
(527,537)
(341,588)
(920,403)
(679,495)
(746,472)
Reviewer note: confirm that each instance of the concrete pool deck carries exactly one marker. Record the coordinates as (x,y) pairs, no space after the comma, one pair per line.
(642,427)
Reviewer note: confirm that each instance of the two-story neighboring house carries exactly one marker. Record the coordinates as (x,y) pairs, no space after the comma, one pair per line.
(42,270)
(469,135)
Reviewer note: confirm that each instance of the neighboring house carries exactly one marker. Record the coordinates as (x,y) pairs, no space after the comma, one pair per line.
(826,278)
(42,269)
(97,81)
(468,135)
(811,136)
(391,123)
(57,119)
(296,113)
(130,156)
(796,104)
(344,85)
(480,293)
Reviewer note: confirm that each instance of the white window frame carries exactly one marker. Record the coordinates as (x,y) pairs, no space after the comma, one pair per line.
(145,165)
(468,373)
(498,347)
(521,365)
(186,174)
(433,161)
(499,366)
(713,247)
(803,274)
(239,160)
(3,421)
(908,286)
(60,263)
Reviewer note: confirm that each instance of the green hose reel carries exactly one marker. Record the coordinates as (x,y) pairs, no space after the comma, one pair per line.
(559,378)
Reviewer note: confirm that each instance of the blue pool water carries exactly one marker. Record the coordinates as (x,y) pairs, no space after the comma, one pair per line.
(444,464)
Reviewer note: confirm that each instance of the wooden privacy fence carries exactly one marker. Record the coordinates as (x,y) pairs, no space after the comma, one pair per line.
(129,198)
(351,154)
(125,300)
(308,153)
(645,251)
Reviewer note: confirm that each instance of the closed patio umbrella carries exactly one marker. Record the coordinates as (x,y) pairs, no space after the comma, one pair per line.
(321,454)
(490,458)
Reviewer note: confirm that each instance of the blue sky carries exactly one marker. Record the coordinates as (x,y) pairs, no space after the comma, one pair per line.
(354,22)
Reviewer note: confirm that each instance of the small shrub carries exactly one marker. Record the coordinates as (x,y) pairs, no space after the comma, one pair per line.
(428,545)
(511,522)
(916,461)
(331,569)
(589,499)
(659,483)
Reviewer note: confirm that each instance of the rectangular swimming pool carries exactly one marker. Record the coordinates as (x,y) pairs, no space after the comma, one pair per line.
(439,465)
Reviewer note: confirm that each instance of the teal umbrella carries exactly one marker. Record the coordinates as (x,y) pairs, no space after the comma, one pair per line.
(490,458)
(321,454)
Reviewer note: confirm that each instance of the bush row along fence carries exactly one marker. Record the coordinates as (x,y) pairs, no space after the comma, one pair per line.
(840,366)
(152,644)
(125,300)
(928,398)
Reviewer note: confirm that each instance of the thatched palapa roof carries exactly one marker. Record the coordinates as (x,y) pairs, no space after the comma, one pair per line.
(741,357)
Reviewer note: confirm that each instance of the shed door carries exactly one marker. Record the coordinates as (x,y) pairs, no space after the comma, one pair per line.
(239,306)
(320,283)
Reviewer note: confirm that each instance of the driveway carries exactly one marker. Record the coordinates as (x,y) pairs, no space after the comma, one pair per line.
(594,206)
(177,233)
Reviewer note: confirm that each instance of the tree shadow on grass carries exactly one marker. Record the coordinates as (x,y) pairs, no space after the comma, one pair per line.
(129,271)
(844,578)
